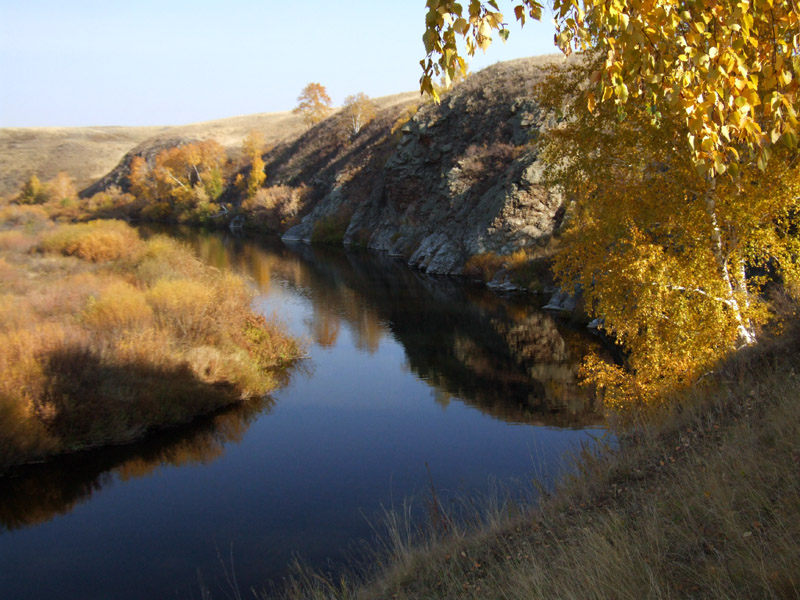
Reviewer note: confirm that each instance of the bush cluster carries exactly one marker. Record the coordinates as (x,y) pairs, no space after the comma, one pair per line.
(105,336)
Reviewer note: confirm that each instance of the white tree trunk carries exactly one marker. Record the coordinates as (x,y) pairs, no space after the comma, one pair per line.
(744,327)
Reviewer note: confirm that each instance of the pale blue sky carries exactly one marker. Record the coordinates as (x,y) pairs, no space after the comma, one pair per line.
(170,62)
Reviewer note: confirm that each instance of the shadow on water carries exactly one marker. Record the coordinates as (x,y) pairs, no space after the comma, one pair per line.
(36,493)
(502,356)
(387,344)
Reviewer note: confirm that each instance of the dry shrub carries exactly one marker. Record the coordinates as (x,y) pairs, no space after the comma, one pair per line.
(165,258)
(96,241)
(407,114)
(90,357)
(484,265)
(482,163)
(65,294)
(15,240)
(120,306)
(23,434)
(22,216)
(14,312)
(277,206)
(11,276)
(184,306)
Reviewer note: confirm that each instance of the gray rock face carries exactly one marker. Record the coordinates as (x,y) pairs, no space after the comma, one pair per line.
(462,180)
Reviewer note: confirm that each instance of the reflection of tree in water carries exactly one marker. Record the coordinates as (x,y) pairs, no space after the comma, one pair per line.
(501,356)
(37,493)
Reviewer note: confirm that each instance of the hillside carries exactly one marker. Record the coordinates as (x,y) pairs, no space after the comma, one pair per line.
(436,184)
(88,153)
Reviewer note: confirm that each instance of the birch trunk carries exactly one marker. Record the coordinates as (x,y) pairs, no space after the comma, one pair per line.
(744,328)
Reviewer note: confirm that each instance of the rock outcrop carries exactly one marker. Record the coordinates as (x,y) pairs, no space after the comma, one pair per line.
(463,178)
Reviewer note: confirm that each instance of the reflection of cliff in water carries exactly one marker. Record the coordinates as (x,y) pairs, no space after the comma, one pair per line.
(37,493)
(502,356)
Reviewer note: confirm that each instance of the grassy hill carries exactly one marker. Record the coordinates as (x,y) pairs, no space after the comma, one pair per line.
(88,153)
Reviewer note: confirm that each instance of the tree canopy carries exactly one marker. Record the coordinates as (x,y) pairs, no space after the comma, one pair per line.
(668,96)
(358,110)
(314,104)
(730,67)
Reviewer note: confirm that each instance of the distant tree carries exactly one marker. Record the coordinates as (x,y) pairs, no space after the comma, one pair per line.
(32,192)
(62,188)
(359,110)
(252,148)
(188,171)
(142,184)
(182,177)
(314,104)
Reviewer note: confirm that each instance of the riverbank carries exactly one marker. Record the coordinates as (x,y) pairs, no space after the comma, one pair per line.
(702,501)
(105,337)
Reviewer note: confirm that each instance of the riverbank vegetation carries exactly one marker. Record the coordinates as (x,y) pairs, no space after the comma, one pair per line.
(105,336)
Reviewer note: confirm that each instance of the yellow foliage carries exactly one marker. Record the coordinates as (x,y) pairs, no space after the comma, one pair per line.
(314,104)
(729,69)
(185,306)
(660,251)
(120,306)
(96,241)
(358,110)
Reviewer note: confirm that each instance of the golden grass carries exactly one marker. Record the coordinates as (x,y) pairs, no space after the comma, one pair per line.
(96,241)
(104,337)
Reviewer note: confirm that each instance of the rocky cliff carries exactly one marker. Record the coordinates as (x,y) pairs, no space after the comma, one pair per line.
(435,184)
(457,179)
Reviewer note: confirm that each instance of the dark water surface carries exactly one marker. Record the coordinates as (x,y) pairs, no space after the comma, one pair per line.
(405,371)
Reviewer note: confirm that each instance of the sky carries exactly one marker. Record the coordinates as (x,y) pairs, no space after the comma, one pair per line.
(172,62)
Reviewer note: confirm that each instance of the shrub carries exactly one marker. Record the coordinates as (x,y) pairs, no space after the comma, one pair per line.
(15,240)
(483,162)
(184,306)
(166,258)
(484,266)
(29,217)
(120,306)
(96,241)
(275,207)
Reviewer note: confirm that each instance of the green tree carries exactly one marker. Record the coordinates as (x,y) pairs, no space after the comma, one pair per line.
(32,192)
(314,104)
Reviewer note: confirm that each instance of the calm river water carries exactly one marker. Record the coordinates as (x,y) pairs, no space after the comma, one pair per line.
(410,379)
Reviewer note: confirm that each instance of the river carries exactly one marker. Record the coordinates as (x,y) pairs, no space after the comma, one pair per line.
(411,382)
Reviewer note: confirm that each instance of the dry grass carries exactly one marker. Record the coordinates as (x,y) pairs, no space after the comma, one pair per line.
(528,268)
(88,153)
(104,337)
(96,241)
(700,501)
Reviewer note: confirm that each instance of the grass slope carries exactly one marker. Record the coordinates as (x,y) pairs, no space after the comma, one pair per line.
(88,153)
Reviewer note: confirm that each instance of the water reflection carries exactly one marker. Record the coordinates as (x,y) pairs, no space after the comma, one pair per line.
(408,371)
(503,357)
(37,493)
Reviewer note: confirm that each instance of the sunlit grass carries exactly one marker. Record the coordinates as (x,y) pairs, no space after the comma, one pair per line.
(105,336)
